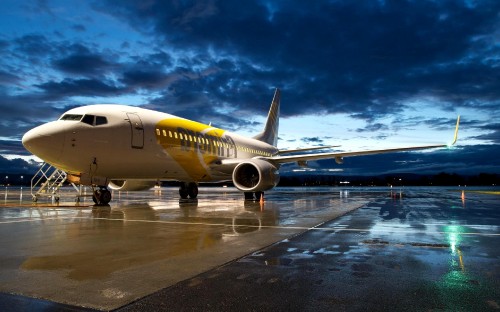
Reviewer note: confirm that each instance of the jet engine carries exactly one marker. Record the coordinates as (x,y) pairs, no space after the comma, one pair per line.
(131,185)
(255,175)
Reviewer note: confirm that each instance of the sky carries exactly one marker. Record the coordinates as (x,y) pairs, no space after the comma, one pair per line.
(359,74)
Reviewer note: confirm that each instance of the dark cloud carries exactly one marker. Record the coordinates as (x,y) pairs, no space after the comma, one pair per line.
(373,128)
(313,140)
(492,135)
(79,87)
(32,45)
(83,62)
(145,79)
(12,147)
(17,166)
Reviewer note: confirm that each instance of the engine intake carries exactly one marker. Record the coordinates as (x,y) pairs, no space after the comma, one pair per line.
(131,185)
(255,175)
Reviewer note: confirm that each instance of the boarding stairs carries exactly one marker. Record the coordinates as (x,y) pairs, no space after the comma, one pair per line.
(47,182)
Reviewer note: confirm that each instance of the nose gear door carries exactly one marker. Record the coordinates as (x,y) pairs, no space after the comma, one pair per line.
(137,130)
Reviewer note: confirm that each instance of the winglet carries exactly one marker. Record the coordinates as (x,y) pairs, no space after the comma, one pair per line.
(456,132)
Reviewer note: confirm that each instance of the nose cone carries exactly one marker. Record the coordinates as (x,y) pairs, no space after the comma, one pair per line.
(30,140)
(45,141)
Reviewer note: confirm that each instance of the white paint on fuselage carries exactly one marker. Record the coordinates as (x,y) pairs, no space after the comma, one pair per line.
(107,150)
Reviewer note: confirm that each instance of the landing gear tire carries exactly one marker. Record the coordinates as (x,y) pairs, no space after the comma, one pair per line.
(249,196)
(183,192)
(101,196)
(189,189)
(192,190)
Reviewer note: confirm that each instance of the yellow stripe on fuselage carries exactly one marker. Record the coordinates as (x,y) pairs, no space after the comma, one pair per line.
(194,146)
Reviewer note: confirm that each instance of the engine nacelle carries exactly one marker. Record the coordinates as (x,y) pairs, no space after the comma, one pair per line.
(255,175)
(131,185)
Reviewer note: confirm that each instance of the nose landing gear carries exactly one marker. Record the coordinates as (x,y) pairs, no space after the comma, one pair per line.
(101,196)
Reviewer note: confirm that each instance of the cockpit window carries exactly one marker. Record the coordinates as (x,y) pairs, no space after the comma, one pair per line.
(94,120)
(71,117)
(88,119)
(100,120)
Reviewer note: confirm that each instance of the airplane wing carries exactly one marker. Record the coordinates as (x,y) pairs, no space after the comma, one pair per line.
(282,152)
(338,156)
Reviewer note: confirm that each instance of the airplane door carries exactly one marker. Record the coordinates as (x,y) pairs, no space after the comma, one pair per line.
(137,130)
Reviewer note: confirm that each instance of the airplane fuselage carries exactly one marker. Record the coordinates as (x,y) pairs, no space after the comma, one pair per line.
(125,142)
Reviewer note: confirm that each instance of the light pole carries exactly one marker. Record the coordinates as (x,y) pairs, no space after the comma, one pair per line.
(22,183)
(6,189)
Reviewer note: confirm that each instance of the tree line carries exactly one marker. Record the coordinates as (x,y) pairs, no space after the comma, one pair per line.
(403,179)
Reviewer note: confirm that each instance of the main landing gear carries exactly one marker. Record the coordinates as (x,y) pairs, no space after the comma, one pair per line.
(101,196)
(253,196)
(188,189)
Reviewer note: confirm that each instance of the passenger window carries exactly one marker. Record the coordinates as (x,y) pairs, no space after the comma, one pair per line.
(88,119)
(100,120)
(157,131)
(164,133)
(170,133)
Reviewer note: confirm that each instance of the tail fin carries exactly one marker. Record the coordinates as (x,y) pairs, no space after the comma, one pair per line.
(270,132)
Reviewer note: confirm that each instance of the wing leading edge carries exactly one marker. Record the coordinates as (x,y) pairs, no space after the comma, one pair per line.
(338,156)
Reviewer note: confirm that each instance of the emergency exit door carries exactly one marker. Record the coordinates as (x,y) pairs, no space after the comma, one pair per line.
(137,130)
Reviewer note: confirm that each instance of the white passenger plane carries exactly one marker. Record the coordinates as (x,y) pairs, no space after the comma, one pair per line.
(129,148)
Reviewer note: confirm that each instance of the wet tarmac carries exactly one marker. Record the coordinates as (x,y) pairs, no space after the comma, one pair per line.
(303,249)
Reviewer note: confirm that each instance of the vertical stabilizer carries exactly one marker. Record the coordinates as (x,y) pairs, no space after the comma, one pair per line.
(270,132)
